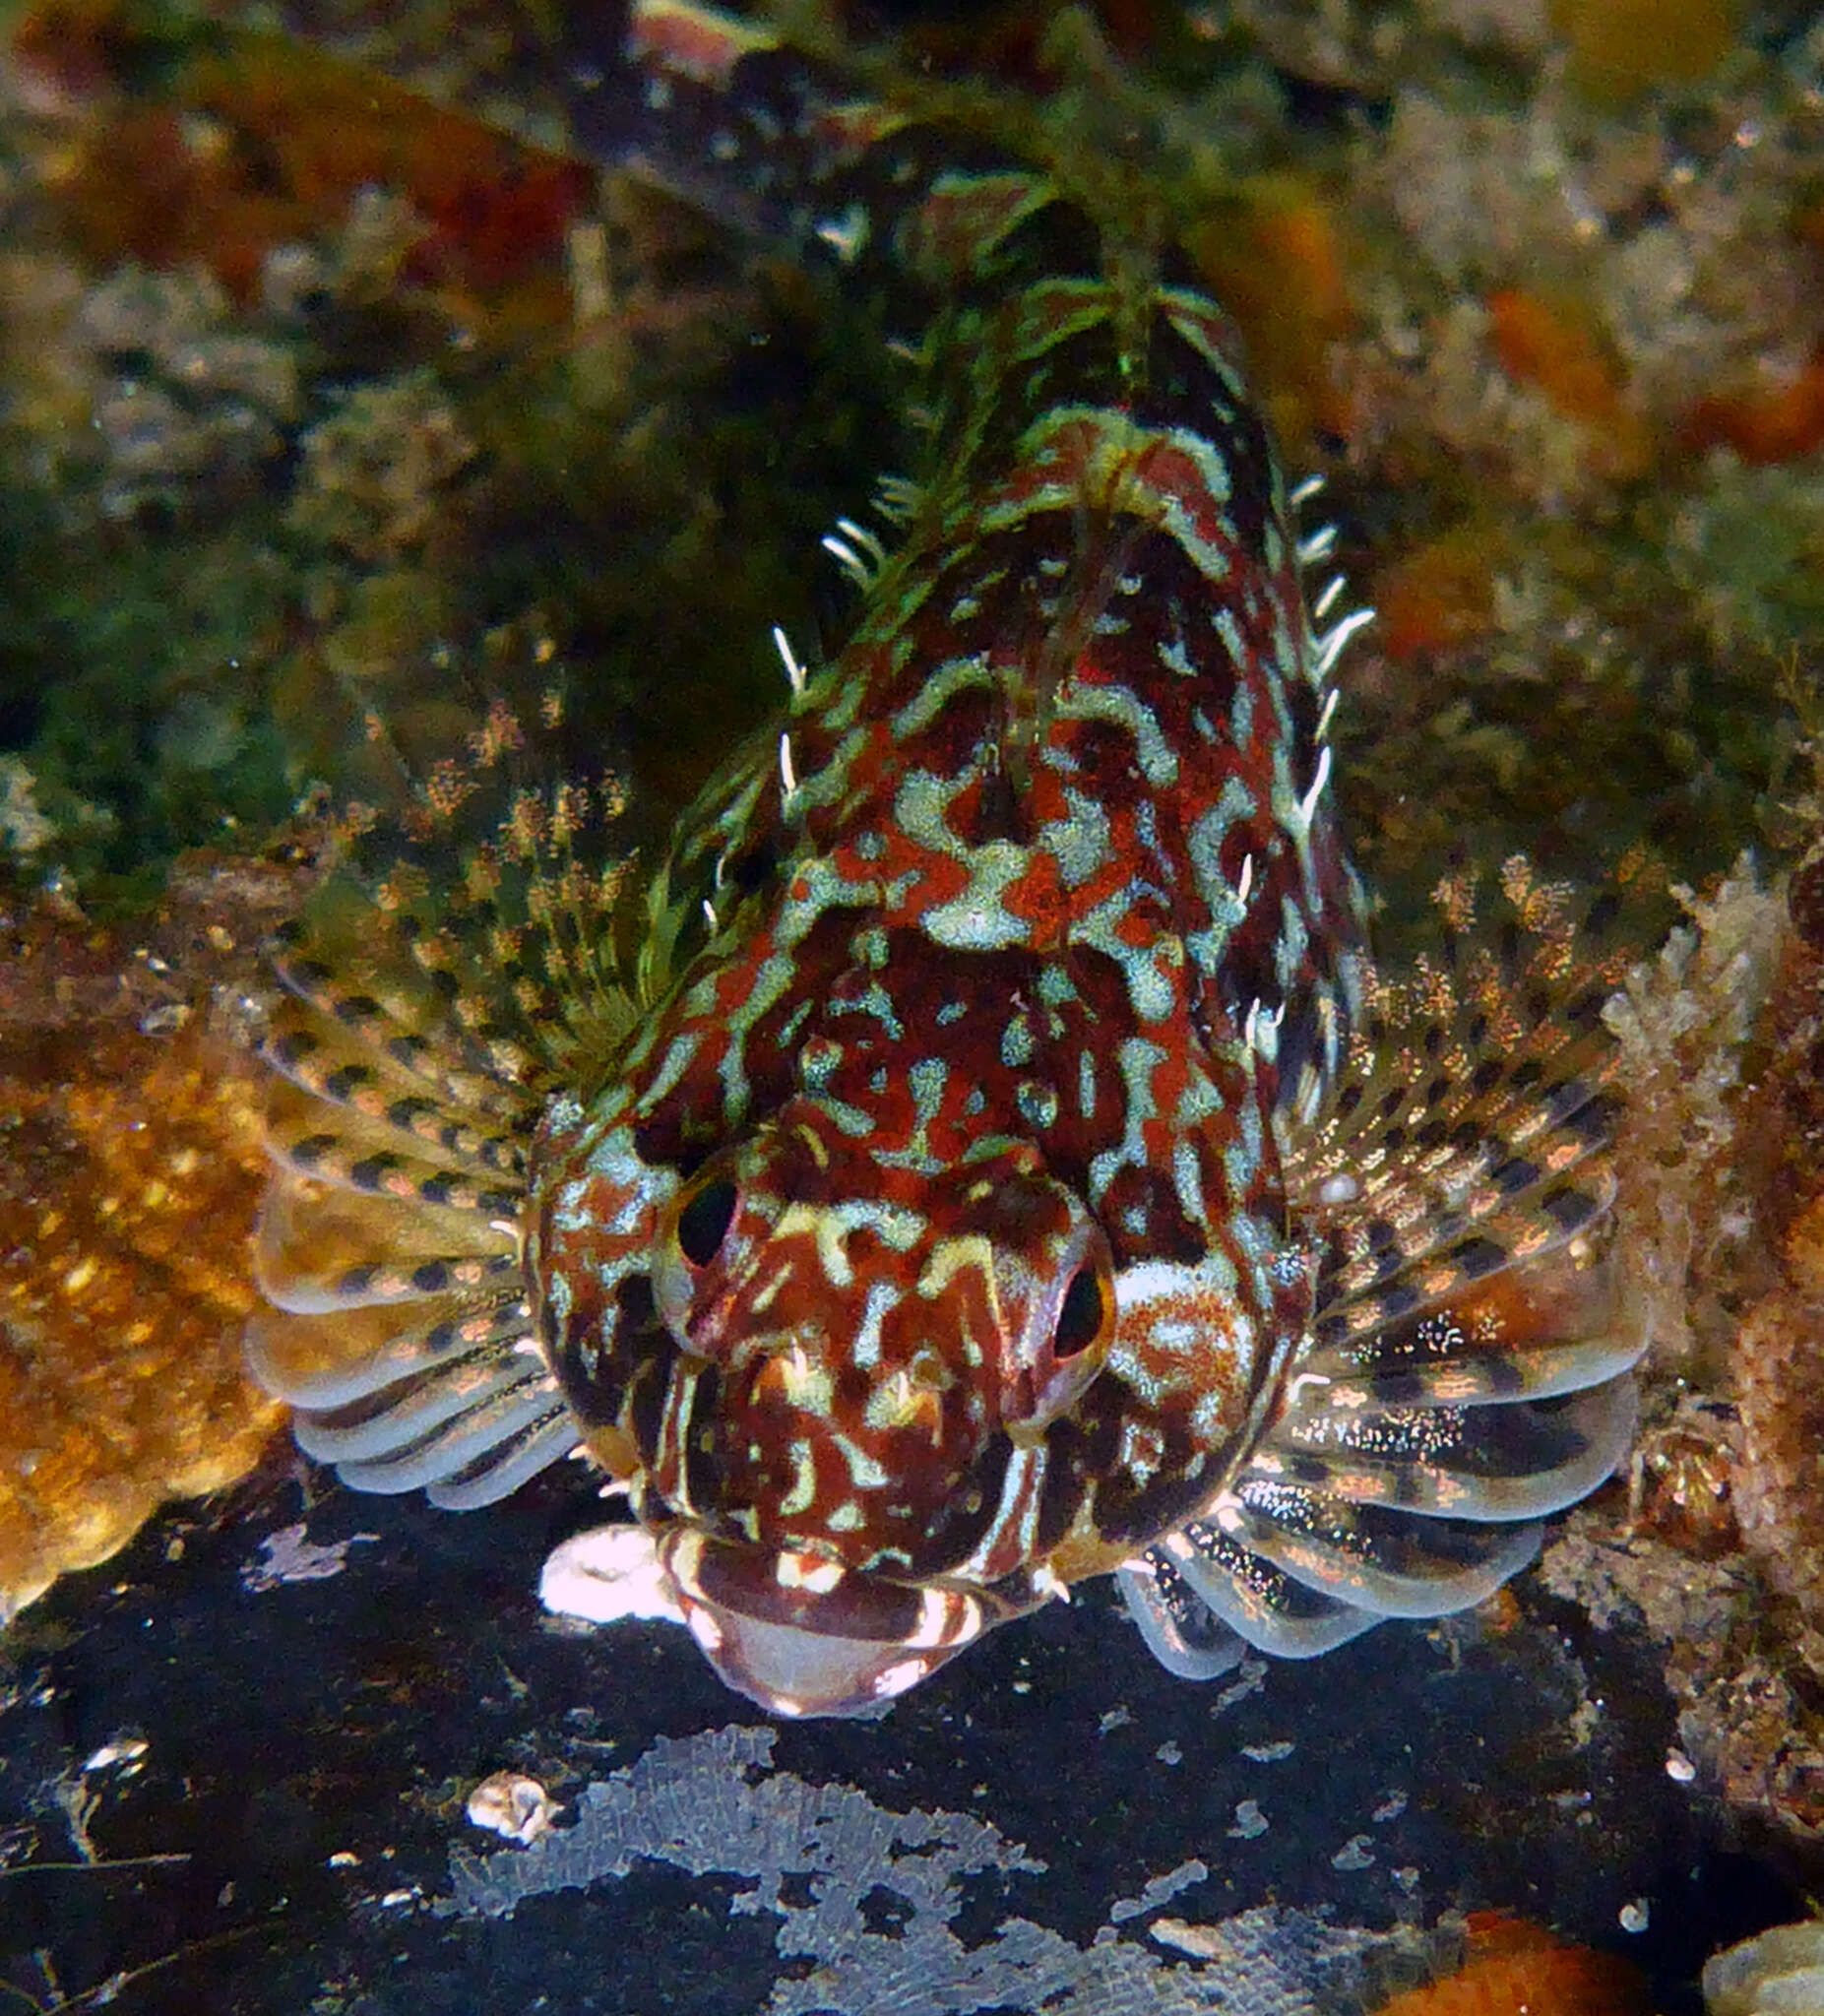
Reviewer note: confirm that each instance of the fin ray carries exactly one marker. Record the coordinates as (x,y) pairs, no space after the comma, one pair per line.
(328,1361)
(346,1151)
(395,1418)
(320,1059)
(452,1449)
(318,1250)
(1522,1461)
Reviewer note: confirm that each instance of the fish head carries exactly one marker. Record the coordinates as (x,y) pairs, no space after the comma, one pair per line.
(868,1361)
(988,1280)
(873,1341)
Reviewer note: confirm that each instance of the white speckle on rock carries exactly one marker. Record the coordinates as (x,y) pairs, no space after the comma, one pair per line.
(1250,1821)
(123,1749)
(290,1556)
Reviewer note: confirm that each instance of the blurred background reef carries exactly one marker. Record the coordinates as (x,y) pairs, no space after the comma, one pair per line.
(338,402)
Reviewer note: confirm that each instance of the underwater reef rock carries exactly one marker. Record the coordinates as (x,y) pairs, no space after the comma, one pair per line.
(1779,1491)
(130,1166)
(869,1899)
(1717,1549)
(1780,1973)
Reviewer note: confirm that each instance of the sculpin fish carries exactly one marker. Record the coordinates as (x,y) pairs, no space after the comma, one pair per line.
(998,1165)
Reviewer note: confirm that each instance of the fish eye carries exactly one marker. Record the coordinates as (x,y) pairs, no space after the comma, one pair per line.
(1085,1314)
(704,1219)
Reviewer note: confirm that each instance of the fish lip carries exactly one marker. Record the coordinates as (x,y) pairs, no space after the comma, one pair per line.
(803,1636)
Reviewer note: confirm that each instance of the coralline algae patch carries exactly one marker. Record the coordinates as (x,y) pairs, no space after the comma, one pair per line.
(258,143)
(1715,1549)
(130,1163)
(873,1910)
(333,412)
(872,1902)
(1578,365)
(1514,1968)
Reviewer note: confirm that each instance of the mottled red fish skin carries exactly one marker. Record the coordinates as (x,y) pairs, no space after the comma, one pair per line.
(1025,873)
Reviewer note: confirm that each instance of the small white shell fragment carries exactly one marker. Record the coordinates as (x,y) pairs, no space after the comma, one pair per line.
(608,1573)
(1635,1916)
(124,1749)
(512,1804)
(1778,1973)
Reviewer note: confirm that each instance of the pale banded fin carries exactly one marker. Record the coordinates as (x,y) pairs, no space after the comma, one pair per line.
(340,1151)
(408,1415)
(1391,1288)
(320,1058)
(471,1006)
(1198,1612)
(1404,1469)
(401,1026)
(389,1245)
(508,1462)
(1409,1243)
(319,1250)
(329,1361)
(1382,1562)
(1522,1461)
(1556,1324)
(1471,1128)
(1181,1631)
(469,1459)
(435,996)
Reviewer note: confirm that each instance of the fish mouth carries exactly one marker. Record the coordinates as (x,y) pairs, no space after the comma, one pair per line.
(803,1636)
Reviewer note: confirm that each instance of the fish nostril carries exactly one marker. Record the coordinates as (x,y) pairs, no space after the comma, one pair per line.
(704,1221)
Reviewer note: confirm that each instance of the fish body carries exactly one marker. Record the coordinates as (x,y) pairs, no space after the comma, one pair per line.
(1009,1171)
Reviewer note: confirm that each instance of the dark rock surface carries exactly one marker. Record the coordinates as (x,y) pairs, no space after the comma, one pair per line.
(282,1840)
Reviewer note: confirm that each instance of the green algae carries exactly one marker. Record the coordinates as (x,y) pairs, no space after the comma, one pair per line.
(190,650)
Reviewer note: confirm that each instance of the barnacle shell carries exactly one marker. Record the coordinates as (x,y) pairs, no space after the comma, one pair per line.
(512,1804)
